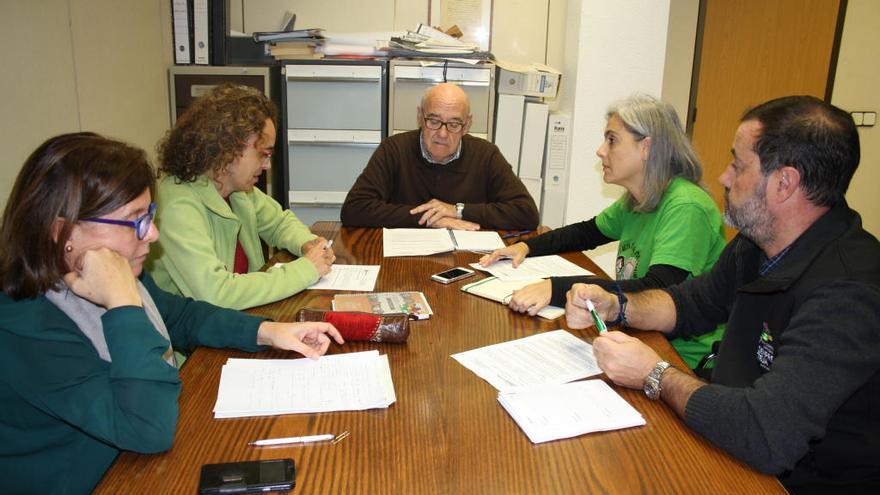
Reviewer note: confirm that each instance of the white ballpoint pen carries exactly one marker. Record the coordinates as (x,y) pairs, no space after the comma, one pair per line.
(288,440)
(305,439)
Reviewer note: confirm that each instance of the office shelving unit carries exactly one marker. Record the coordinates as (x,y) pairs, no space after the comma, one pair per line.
(334,116)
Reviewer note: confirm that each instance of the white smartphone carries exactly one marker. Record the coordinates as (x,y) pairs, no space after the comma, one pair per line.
(452,275)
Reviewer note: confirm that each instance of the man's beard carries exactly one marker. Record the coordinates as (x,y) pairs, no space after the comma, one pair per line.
(753,219)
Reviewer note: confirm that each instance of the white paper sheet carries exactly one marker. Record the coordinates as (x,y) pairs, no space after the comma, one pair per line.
(545,358)
(534,267)
(340,382)
(551,412)
(478,241)
(415,242)
(349,277)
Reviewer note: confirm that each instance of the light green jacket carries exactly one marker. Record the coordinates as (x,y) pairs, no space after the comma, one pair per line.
(195,254)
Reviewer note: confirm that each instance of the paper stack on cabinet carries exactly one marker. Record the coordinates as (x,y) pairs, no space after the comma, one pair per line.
(340,382)
(551,412)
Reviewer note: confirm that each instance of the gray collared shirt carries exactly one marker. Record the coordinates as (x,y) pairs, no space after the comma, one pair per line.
(427,156)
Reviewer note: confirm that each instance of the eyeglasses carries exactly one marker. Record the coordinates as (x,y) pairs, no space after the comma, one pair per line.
(141,224)
(453,126)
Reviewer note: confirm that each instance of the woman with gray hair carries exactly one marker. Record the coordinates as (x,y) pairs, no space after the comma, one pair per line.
(668,226)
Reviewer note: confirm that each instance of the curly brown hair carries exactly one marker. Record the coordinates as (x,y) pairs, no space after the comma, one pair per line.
(214,131)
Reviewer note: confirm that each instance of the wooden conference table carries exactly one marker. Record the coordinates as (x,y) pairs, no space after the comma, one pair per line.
(446,433)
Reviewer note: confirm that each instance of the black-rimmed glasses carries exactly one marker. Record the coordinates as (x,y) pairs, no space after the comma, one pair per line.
(453,126)
(141,224)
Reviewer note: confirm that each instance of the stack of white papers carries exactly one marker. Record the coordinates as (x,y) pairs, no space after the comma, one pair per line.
(340,382)
(415,242)
(532,376)
(540,359)
(479,241)
(552,412)
(534,268)
(425,242)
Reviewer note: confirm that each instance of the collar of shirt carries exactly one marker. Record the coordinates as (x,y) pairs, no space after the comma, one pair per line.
(427,156)
(768,265)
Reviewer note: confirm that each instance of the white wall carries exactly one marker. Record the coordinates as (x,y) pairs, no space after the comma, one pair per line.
(856,89)
(609,53)
(678,67)
(81,66)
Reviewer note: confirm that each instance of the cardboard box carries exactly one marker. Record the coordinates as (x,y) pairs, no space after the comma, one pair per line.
(528,80)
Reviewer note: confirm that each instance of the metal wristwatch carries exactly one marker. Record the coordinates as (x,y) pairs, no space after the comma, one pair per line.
(652,381)
(459,209)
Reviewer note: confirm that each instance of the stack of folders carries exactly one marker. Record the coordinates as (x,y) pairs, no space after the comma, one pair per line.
(552,412)
(294,50)
(340,382)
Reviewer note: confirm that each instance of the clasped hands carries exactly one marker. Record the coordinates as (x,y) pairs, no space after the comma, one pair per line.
(440,215)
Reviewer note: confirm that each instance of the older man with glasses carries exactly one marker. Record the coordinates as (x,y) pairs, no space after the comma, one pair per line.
(439,176)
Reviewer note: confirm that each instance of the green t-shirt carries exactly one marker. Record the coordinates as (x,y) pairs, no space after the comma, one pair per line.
(685,231)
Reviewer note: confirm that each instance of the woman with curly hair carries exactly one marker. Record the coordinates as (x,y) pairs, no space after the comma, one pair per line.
(211,215)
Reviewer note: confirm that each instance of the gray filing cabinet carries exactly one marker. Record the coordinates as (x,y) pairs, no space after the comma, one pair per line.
(334,117)
(410,79)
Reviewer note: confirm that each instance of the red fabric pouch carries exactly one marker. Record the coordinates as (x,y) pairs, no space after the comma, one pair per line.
(360,326)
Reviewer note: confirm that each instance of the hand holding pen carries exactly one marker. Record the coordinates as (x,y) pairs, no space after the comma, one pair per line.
(589,305)
(319,251)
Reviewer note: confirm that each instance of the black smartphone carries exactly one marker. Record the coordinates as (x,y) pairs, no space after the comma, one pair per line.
(262,476)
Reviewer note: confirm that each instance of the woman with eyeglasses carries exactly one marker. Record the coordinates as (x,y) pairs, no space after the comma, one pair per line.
(213,218)
(87,367)
(668,226)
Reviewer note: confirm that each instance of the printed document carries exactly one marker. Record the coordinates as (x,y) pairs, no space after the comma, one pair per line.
(425,242)
(339,382)
(349,277)
(545,358)
(415,242)
(534,267)
(477,241)
(551,412)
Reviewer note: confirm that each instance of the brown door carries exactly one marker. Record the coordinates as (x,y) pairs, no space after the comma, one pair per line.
(752,51)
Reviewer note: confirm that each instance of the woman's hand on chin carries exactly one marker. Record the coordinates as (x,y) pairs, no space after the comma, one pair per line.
(104,278)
